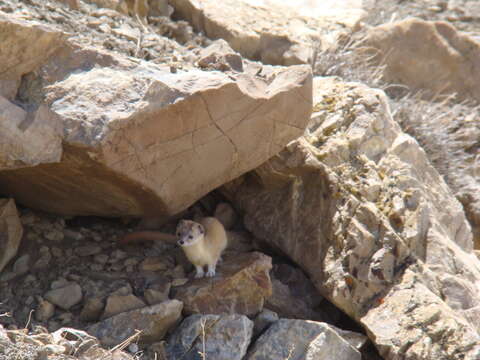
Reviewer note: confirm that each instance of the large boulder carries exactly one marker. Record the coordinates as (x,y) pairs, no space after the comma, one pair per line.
(431,57)
(219,337)
(241,286)
(94,133)
(275,32)
(356,203)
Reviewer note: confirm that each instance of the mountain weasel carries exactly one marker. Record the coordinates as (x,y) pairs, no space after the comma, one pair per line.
(202,242)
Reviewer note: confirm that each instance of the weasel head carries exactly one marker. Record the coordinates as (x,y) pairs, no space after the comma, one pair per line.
(189,232)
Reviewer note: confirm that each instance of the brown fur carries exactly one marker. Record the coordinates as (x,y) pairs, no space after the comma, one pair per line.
(147,235)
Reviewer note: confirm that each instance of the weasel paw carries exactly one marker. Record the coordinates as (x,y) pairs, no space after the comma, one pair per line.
(210,273)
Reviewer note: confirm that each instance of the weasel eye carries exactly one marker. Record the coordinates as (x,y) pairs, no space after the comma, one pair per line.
(190,237)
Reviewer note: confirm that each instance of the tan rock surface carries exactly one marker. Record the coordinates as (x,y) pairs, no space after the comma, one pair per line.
(11,231)
(275,32)
(356,203)
(154,321)
(432,57)
(117,304)
(449,135)
(300,339)
(221,337)
(65,296)
(112,137)
(153,8)
(17,59)
(240,287)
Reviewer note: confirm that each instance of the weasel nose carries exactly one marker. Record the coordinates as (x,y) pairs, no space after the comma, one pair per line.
(180,242)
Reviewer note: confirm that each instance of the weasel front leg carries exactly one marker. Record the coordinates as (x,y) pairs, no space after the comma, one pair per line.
(211,270)
(199,271)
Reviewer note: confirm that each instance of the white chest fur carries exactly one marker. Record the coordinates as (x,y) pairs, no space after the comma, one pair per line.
(198,254)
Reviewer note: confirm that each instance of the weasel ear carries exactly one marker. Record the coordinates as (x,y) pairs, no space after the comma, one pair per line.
(201,228)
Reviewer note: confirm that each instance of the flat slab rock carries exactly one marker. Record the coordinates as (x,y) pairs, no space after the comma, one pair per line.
(221,337)
(241,286)
(301,339)
(154,322)
(99,134)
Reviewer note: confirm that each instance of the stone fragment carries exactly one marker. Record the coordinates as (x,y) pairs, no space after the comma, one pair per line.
(357,340)
(59,283)
(65,297)
(101,259)
(179,282)
(42,134)
(88,250)
(158,350)
(22,265)
(154,321)
(11,231)
(92,310)
(160,8)
(133,348)
(44,258)
(50,350)
(72,4)
(72,235)
(219,337)
(300,339)
(241,286)
(220,56)
(179,272)
(263,320)
(54,235)
(44,311)
(117,304)
(154,296)
(153,263)
(17,60)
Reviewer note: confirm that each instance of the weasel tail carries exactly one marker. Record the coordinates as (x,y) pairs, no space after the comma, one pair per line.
(147,235)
